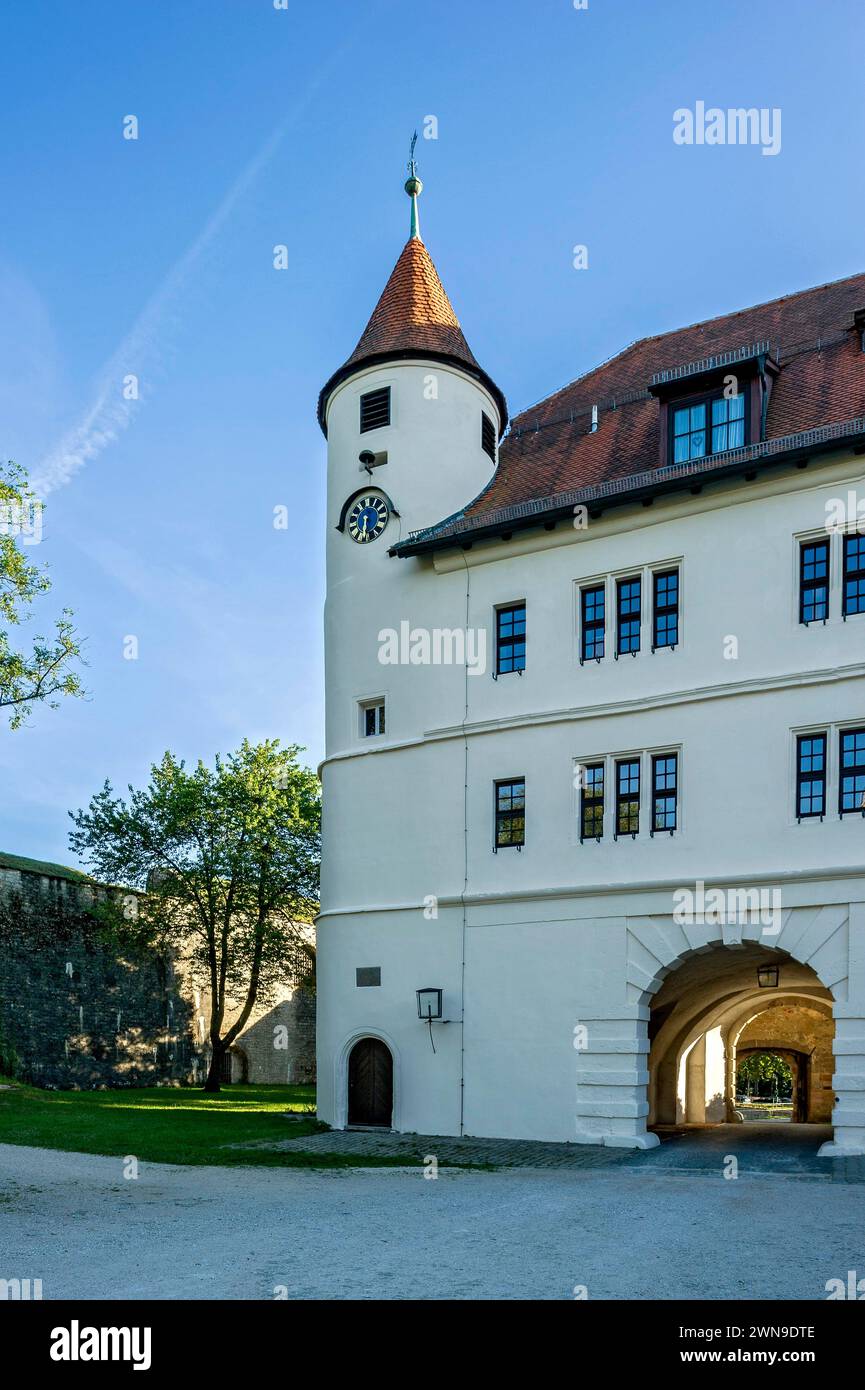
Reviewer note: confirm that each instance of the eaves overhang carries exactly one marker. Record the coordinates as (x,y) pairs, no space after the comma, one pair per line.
(463,532)
(419,354)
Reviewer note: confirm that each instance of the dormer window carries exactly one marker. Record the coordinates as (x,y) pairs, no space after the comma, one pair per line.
(375,410)
(710,425)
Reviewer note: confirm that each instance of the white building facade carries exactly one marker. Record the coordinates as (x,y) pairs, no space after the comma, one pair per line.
(595,754)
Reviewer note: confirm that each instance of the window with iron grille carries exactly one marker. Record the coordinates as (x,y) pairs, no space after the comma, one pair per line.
(372,718)
(627,797)
(511,813)
(852,772)
(665,778)
(814,581)
(511,639)
(375,409)
(810,776)
(593,623)
(708,426)
(488,436)
(854,574)
(592,802)
(665,618)
(628,616)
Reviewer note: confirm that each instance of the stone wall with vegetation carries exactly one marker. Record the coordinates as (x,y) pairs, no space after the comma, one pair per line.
(75,1011)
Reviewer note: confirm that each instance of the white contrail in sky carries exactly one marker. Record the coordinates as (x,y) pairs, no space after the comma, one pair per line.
(110,414)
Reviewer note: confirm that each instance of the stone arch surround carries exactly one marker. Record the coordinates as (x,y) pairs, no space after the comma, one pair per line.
(612,1068)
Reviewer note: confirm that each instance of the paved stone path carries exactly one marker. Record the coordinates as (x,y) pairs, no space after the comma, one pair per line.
(758,1149)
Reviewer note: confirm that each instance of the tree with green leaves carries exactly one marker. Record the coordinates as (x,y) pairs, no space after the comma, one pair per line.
(48,669)
(227,861)
(764,1066)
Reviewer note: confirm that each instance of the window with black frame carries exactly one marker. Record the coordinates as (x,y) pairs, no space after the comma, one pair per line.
(852,772)
(854,574)
(665,616)
(814,581)
(627,797)
(708,426)
(511,639)
(593,623)
(810,776)
(665,777)
(510,813)
(628,593)
(592,802)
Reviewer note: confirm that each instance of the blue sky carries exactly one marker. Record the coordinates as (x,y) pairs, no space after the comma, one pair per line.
(260,127)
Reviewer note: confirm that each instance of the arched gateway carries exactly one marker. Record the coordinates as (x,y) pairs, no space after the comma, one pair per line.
(696,988)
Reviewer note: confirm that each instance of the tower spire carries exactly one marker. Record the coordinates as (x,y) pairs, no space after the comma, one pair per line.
(413,188)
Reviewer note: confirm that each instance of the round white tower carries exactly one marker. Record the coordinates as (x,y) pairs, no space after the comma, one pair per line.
(412,425)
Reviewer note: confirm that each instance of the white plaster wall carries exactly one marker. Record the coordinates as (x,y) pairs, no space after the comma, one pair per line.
(545,936)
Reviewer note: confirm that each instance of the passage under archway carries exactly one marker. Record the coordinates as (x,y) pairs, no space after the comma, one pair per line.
(370,1083)
(713,1000)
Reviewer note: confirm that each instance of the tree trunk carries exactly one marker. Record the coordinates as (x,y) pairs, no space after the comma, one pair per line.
(213,1082)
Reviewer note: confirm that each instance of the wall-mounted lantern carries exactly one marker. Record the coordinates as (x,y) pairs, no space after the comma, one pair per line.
(429,1009)
(429,1004)
(767,976)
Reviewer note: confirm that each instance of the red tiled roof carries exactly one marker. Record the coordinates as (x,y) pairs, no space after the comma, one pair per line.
(551,449)
(413,317)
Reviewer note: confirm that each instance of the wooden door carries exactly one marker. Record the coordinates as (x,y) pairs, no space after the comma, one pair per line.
(370,1084)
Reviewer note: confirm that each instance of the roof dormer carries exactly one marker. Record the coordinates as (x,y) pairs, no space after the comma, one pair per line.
(714,405)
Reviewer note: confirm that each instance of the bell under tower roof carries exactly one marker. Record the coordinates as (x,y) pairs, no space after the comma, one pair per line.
(413,318)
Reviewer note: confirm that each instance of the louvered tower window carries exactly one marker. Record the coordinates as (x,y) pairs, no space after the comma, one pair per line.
(488,436)
(375,410)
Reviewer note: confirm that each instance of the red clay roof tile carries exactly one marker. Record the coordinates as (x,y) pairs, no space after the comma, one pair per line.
(550,447)
(413,317)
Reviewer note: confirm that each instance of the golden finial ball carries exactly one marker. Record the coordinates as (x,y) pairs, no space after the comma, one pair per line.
(413,186)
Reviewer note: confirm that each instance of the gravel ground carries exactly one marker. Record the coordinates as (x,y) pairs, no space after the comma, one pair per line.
(74,1222)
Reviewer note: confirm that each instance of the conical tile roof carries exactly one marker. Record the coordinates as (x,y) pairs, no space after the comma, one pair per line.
(413,318)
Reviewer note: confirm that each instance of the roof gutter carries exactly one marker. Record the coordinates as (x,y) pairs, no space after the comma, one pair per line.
(642,487)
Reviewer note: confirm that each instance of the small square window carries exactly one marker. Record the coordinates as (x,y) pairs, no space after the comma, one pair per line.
(375,410)
(371,718)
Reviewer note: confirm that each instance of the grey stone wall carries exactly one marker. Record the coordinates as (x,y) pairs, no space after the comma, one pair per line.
(76,1011)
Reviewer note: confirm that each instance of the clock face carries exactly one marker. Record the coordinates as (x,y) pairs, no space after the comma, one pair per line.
(367,518)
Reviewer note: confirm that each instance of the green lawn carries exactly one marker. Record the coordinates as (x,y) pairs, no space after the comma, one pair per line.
(168,1125)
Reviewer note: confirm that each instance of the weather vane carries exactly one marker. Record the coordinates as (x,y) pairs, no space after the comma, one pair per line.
(413,187)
